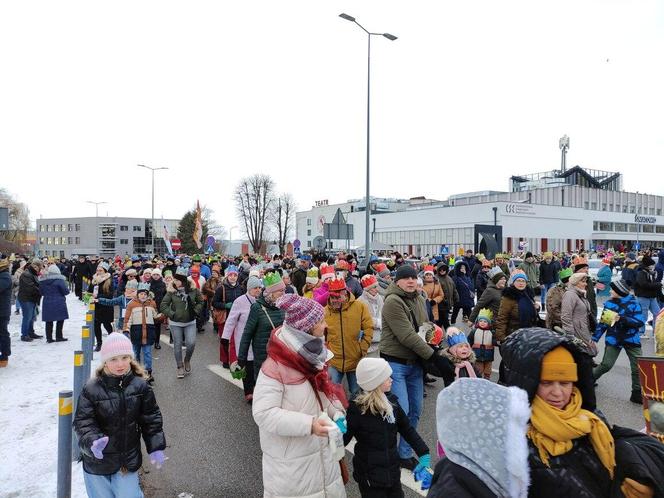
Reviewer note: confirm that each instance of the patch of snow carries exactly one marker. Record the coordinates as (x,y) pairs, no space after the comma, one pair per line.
(29,388)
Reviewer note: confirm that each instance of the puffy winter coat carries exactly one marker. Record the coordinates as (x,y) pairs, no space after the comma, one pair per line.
(5,294)
(554,303)
(158,289)
(28,286)
(435,293)
(548,272)
(178,311)
(481,281)
(659,267)
(54,288)
(103,314)
(353,286)
(464,286)
(139,321)
(509,319)
(450,479)
(225,295)
(490,299)
(628,273)
(349,333)
(403,314)
(375,305)
(450,293)
(296,463)
(237,320)
(574,314)
(376,460)
(644,286)
(626,332)
(262,318)
(124,409)
(532,272)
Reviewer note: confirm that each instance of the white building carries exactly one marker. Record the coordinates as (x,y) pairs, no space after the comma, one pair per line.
(554,218)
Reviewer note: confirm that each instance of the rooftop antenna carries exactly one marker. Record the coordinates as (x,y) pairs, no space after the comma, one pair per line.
(563,143)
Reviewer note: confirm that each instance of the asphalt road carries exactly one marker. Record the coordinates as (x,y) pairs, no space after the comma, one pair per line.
(213,444)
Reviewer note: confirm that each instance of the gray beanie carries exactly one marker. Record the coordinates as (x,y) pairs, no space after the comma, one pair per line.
(254,282)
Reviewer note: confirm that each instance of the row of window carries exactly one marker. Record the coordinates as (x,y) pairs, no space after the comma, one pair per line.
(76,227)
(56,254)
(618,208)
(608,226)
(58,241)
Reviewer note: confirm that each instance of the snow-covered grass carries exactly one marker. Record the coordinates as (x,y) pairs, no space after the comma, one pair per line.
(29,389)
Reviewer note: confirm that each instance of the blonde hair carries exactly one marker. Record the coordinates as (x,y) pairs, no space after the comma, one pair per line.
(374,402)
(134,366)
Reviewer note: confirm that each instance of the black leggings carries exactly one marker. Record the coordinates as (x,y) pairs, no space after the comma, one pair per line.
(58,330)
(107,325)
(395,491)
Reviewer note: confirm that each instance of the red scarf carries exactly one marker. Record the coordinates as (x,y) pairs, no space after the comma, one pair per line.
(280,353)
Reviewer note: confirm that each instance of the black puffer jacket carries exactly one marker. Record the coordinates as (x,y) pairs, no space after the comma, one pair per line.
(452,480)
(645,284)
(124,409)
(158,288)
(376,459)
(28,286)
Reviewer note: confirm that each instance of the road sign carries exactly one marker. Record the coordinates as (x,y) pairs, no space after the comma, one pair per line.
(176,244)
(444,250)
(637,246)
(318,243)
(296,243)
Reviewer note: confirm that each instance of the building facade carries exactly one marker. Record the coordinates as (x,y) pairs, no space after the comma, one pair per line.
(104,236)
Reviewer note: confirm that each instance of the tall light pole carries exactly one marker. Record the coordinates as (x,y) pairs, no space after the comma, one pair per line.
(153,170)
(563,143)
(367,231)
(97,220)
(230,237)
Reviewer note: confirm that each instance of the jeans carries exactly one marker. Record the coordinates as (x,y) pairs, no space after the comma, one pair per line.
(543,291)
(408,387)
(5,340)
(336,376)
(186,334)
(116,485)
(29,310)
(611,354)
(147,355)
(648,303)
(18,305)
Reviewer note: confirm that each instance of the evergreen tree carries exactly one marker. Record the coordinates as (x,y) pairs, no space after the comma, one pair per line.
(186,231)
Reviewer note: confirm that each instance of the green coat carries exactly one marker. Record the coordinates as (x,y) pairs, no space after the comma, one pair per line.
(532,272)
(174,308)
(257,330)
(398,334)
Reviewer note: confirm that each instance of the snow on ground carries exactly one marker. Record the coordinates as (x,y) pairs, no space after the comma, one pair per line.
(29,389)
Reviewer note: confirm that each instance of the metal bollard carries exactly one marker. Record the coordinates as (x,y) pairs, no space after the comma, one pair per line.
(86,346)
(79,382)
(64,444)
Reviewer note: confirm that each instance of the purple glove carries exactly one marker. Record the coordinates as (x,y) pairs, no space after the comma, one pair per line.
(98,446)
(157,458)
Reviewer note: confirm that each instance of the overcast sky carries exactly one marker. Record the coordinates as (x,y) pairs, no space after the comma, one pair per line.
(471,93)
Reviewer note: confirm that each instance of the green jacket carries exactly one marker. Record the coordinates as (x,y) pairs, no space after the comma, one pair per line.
(176,310)
(532,272)
(258,328)
(398,334)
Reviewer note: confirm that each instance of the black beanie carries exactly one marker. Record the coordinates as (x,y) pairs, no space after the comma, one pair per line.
(621,287)
(405,271)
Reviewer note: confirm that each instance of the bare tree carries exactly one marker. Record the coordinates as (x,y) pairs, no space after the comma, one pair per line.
(19,217)
(283,219)
(254,197)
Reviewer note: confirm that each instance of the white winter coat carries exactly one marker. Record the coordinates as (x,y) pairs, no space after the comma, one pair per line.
(295,462)
(375,305)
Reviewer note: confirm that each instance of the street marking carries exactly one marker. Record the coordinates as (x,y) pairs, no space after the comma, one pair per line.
(225,374)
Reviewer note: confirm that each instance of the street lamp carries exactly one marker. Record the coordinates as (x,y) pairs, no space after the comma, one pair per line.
(367,237)
(97,220)
(153,170)
(230,238)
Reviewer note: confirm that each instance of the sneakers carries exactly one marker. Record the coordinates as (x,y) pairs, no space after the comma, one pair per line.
(157,345)
(180,373)
(187,366)
(26,338)
(429,380)
(636,397)
(61,339)
(150,379)
(226,366)
(408,463)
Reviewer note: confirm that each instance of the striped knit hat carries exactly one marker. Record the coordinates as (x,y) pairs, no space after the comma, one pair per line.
(301,313)
(116,344)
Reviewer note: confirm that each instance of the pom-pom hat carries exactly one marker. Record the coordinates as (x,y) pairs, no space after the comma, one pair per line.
(428,269)
(116,344)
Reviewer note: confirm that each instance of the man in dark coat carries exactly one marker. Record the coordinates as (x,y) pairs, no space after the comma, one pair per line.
(81,270)
(5,310)
(299,275)
(29,295)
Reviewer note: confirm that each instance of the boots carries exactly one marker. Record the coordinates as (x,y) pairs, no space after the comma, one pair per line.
(150,378)
(4,363)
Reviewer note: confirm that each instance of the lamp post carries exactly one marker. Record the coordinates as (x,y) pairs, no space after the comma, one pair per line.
(230,238)
(153,170)
(97,220)
(367,231)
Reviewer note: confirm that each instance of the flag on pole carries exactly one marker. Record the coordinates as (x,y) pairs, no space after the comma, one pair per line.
(167,238)
(198,227)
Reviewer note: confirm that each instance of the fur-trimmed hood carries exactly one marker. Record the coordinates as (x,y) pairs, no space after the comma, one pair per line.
(446,353)
(496,450)
(99,279)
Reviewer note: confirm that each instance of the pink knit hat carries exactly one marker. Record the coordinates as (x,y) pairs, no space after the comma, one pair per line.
(301,313)
(116,344)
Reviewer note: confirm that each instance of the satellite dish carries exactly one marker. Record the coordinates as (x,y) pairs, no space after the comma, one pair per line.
(318,243)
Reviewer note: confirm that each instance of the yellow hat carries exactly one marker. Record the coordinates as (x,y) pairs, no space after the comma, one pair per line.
(558,364)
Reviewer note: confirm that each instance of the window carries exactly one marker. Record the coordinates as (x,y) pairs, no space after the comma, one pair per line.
(617,208)
(124,242)
(624,208)
(610,207)
(124,228)
(620,227)
(632,209)
(593,206)
(42,240)
(309,233)
(78,240)
(78,227)
(631,227)
(308,243)
(49,240)
(595,226)
(603,206)
(586,205)
(648,228)
(56,241)
(652,210)
(70,227)
(308,222)
(41,228)
(70,240)
(659,229)
(605,226)
(48,228)
(137,228)
(659,211)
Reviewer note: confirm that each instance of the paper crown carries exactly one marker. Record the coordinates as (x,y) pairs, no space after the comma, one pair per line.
(547,254)
(368,281)
(455,336)
(565,273)
(606,260)
(579,260)
(337,285)
(271,279)
(342,264)
(486,263)
(143,286)
(326,272)
(428,268)
(494,271)
(181,271)
(485,314)
(312,276)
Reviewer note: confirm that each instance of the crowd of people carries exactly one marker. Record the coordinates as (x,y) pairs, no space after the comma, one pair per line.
(294,328)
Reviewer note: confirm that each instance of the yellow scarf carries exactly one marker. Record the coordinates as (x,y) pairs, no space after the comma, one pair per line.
(552,430)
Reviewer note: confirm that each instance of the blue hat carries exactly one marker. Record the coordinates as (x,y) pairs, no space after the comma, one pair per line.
(305,257)
(135,258)
(231,269)
(517,274)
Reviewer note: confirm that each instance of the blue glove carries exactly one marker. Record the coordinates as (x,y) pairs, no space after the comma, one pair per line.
(425,475)
(424,462)
(98,446)
(157,458)
(342,424)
